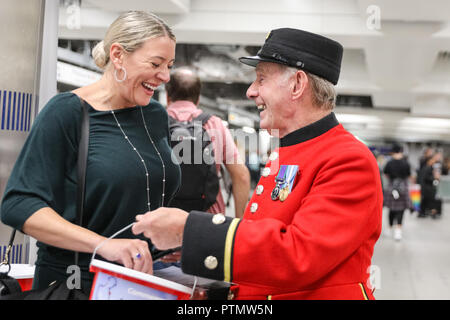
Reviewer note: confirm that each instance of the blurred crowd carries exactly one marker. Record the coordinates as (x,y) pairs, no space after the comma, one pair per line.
(412,188)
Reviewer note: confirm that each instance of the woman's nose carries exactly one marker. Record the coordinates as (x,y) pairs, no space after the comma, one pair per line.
(164,76)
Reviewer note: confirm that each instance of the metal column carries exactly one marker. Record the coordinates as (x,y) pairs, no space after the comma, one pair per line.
(21,55)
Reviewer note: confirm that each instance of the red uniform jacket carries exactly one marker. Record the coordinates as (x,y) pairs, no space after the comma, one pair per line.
(317,243)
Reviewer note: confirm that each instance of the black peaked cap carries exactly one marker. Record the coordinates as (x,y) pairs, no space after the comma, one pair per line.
(304,50)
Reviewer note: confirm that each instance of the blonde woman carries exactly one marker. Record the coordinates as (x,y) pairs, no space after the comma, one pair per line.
(129,170)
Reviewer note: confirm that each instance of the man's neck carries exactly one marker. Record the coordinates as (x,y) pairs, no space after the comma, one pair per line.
(303,119)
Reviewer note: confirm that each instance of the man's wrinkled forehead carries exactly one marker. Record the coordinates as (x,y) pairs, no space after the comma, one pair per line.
(267,67)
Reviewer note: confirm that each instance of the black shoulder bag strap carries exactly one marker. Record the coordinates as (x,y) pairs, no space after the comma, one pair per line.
(81,165)
(8,284)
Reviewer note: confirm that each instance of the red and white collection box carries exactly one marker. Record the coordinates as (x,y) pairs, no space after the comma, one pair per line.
(114,282)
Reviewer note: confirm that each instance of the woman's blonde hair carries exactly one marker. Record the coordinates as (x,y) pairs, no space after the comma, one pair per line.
(131,29)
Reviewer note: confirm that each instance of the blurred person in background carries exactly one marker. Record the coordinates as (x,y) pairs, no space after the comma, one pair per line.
(430,176)
(445,166)
(183,97)
(427,153)
(396,191)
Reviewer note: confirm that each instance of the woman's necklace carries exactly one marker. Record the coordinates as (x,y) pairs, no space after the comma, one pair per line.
(142,159)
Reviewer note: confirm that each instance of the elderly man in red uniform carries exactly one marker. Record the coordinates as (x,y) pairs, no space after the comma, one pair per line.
(310,227)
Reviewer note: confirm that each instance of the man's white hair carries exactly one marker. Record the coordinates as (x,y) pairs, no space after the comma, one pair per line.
(323,91)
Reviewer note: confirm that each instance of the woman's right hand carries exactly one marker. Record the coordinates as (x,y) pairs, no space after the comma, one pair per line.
(47,226)
(132,253)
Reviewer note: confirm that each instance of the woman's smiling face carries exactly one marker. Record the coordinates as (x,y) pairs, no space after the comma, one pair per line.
(147,68)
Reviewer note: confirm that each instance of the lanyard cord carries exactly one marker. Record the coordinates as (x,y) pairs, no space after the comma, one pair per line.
(106,240)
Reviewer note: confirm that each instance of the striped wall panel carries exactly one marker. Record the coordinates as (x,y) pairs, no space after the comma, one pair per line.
(15,110)
(16,254)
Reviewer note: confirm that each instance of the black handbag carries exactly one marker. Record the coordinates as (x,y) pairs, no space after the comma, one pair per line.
(8,285)
(58,290)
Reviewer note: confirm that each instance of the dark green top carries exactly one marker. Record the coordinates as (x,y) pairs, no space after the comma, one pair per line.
(45,172)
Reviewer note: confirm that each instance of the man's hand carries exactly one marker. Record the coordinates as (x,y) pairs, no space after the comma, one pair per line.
(164,227)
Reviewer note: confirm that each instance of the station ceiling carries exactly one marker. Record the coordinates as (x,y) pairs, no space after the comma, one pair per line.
(395,78)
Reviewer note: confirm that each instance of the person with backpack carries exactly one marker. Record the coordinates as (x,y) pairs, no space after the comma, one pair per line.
(396,193)
(201,143)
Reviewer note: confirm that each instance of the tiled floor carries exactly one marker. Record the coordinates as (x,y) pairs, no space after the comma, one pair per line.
(418,266)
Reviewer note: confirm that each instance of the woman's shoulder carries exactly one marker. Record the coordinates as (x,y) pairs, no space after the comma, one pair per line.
(155,105)
(62,111)
(65,103)
(157,110)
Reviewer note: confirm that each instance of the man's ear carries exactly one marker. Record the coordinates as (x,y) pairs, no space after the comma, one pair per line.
(300,83)
(116,54)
